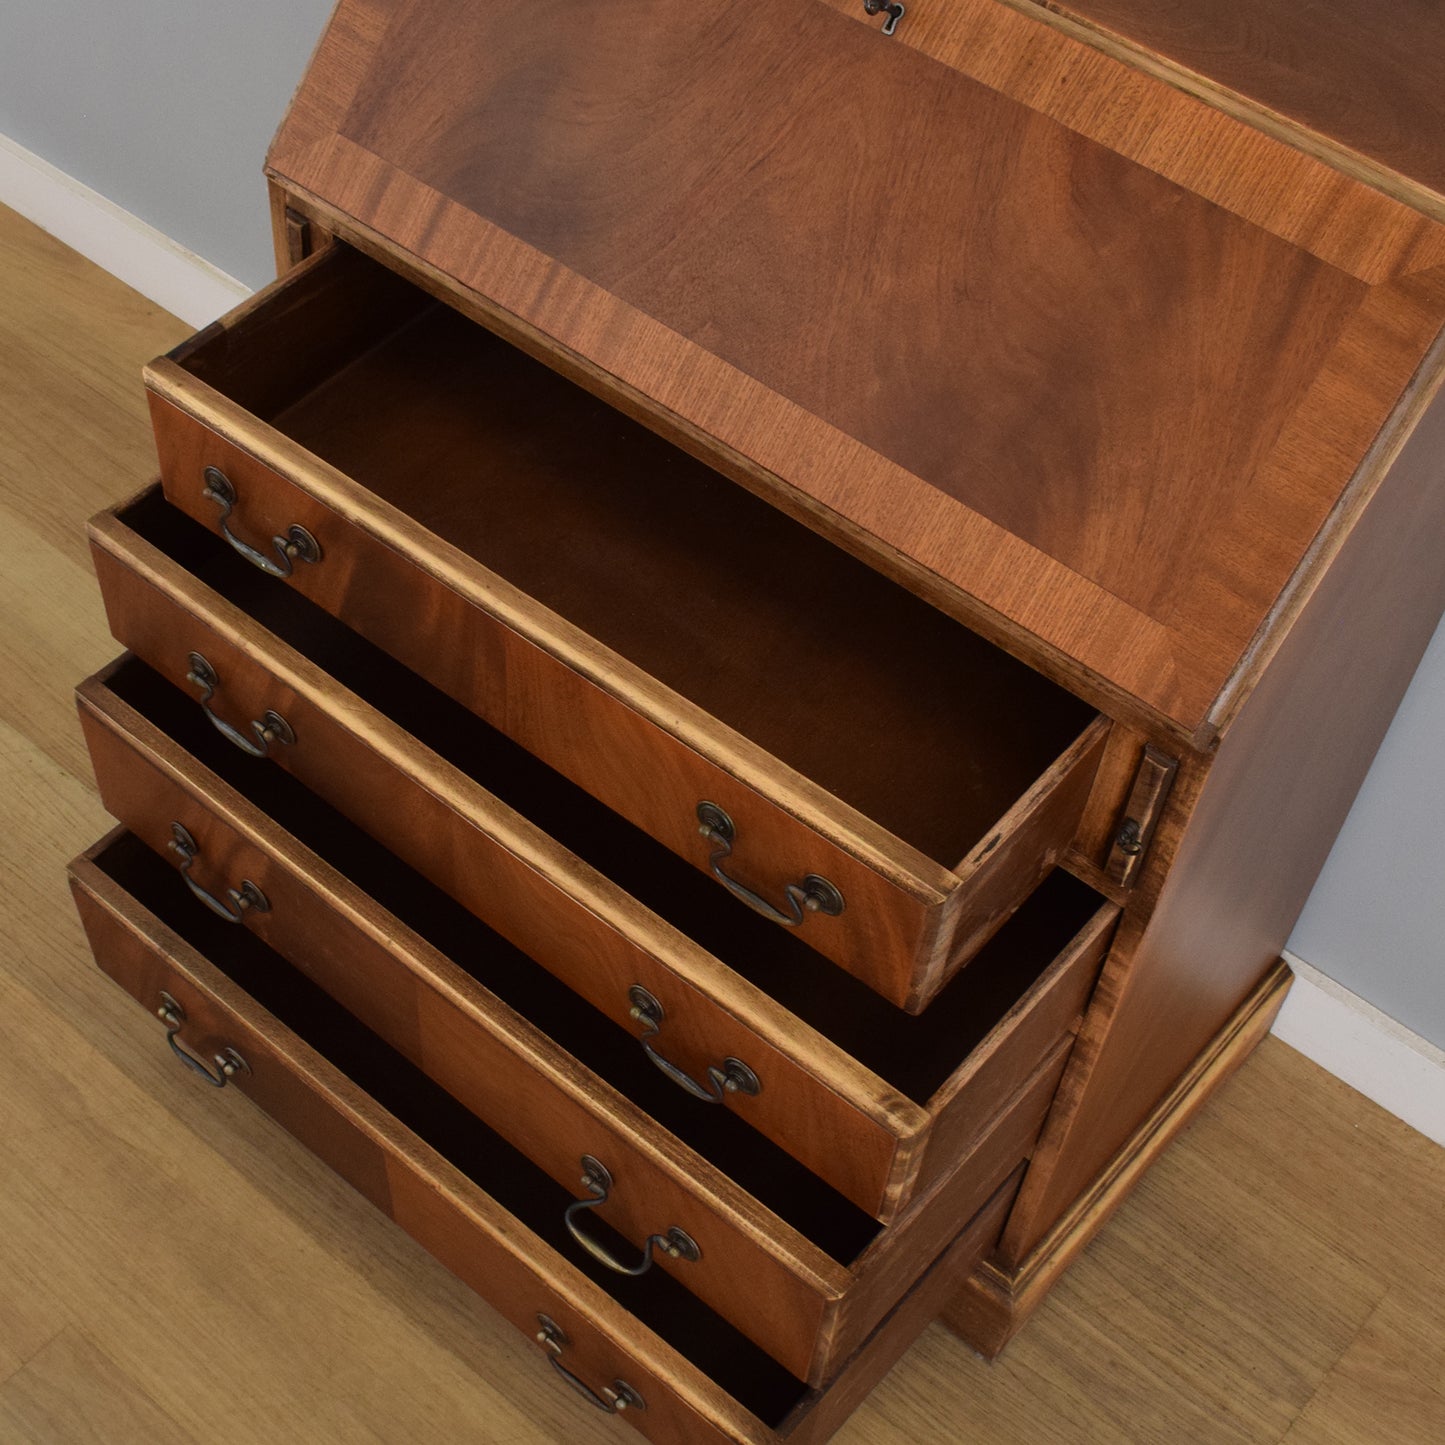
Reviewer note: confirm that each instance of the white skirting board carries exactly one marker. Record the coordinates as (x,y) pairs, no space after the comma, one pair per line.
(123,244)
(1351,1038)
(1383,1060)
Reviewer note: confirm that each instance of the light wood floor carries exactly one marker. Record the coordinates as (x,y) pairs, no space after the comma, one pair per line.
(175,1269)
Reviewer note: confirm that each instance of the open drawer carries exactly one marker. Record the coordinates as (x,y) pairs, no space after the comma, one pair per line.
(643,1348)
(840,756)
(878,1103)
(690,1192)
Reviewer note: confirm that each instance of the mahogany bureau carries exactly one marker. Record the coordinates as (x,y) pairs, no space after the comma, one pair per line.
(734,680)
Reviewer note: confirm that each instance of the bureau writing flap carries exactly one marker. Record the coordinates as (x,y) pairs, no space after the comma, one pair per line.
(1048,384)
(1351,74)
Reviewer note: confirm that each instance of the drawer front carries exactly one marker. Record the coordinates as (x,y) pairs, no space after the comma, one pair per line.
(896,916)
(449,1216)
(597,1346)
(591,935)
(807,1282)
(1052,1010)
(886,931)
(507,1073)
(844,1121)
(803,1305)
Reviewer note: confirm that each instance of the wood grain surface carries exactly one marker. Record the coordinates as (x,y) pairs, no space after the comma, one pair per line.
(1361,77)
(394,1170)
(788,827)
(166,1263)
(754,1268)
(422,488)
(1288,769)
(765,1275)
(890,1081)
(1130,99)
(544,899)
(1158,496)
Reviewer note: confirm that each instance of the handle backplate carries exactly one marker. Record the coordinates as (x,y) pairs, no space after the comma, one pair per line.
(675,1243)
(613,1398)
(813,894)
(224,1065)
(732,1076)
(245,899)
(269,728)
(297,545)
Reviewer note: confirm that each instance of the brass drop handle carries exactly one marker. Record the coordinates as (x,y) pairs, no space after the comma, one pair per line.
(613,1398)
(597,1181)
(242,899)
(731,1077)
(297,543)
(224,1065)
(812,895)
(269,728)
(893,9)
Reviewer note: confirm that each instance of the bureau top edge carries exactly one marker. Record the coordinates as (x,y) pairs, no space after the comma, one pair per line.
(1352,82)
(1102,418)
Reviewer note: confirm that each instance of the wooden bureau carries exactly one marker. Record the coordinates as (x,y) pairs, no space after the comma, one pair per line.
(734,680)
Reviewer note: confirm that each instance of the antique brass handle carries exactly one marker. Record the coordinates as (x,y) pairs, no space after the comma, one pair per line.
(732,1077)
(812,895)
(597,1181)
(297,543)
(242,899)
(227,1063)
(613,1398)
(269,728)
(893,9)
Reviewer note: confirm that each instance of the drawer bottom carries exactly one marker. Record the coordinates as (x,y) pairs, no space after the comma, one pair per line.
(676,1370)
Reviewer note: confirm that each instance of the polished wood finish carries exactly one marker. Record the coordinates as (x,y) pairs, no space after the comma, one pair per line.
(1353,80)
(768,1277)
(1130,100)
(527,887)
(1141,814)
(1158,574)
(343,358)
(1274,1274)
(547,563)
(423,1191)
(951,1067)
(508,1074)
(395,1171)
(998,1301)
(1255,828)
(1170,458)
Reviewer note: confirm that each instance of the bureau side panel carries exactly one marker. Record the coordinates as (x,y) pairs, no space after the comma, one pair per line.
(1267,813)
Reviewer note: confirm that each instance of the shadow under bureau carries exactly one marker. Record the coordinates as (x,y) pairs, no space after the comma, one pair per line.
(734,680)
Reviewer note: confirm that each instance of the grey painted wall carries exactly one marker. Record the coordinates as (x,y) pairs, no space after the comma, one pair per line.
(1376,919)
(167,107)
(164,106)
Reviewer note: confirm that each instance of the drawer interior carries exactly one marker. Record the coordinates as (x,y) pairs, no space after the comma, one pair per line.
(847,677)
(916,1054)
(761,1167)
(721,1352)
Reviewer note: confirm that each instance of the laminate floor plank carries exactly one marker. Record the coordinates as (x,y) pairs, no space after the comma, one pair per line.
(222,1268)
(53,620)
(1357,1179)
(39,1404)
(1390,1384)
(73,429)
(170,1261)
